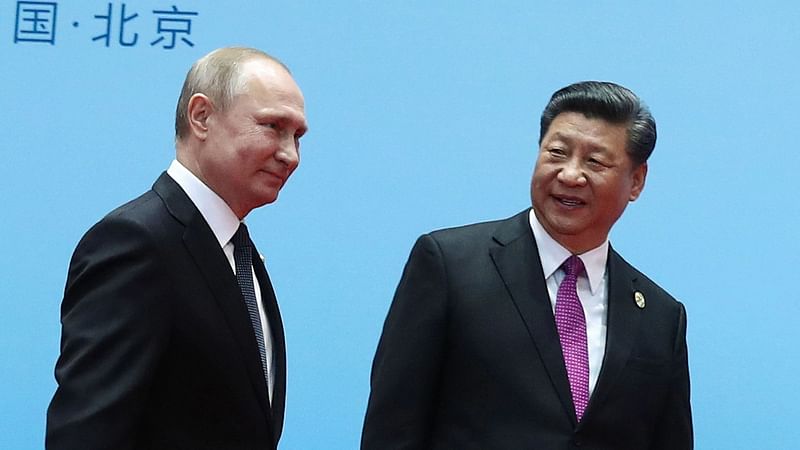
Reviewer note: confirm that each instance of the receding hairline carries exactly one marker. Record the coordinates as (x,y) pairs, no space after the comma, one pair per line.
(240,55)
(238,58)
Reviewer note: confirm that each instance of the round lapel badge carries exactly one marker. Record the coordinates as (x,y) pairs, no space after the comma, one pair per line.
(638,297)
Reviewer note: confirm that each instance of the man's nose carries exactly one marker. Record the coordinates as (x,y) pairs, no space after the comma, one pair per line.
(289,152)
(572,173)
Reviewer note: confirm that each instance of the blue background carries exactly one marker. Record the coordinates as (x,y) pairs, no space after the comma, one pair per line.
(424,114)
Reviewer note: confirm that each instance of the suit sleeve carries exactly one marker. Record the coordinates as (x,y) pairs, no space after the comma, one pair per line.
(114,328)
(674,429)
(407,366)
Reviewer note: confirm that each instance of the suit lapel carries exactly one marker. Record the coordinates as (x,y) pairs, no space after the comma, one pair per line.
(278,345)
(623,324)
(201,244)
(517,261)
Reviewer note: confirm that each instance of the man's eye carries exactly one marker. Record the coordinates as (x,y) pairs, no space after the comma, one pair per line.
(556,152)
(596,162)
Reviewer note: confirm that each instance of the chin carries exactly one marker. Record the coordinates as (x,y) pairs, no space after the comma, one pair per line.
(567,228)
(267,199)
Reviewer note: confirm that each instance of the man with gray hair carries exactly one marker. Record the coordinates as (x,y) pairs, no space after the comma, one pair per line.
(532,332)
(171,334)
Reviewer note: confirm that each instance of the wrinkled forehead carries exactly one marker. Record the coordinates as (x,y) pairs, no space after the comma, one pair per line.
(263,73)
(275,95)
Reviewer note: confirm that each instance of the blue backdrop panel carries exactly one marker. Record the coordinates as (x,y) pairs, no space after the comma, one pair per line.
(422,115)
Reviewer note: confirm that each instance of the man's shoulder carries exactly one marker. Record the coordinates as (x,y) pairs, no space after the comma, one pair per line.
(481,229)
(475,241)
(150,208)
(143,211)
(145,215)
(141,206)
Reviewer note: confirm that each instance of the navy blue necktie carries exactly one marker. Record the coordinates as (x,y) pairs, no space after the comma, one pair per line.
(243,256)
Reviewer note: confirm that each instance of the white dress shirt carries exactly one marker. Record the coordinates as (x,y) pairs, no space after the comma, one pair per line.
(223,223)
(592,289)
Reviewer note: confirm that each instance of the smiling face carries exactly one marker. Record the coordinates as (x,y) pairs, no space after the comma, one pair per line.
(246,152)
(583,180)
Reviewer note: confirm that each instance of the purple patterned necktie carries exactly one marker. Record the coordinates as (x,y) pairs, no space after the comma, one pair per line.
(571,324)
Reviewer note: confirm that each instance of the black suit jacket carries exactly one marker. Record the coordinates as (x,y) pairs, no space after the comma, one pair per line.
(157,349)
(470,356)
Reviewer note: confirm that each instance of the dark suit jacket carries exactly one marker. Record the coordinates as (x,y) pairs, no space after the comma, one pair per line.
(157,349)
(470,356)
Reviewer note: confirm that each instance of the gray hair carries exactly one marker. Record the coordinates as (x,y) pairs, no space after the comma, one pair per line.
(218,76)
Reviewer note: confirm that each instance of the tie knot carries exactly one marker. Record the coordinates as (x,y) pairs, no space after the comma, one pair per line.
(573,265)
(241,238)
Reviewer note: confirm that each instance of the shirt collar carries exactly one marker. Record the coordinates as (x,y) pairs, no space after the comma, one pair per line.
(219,216)
(552,255)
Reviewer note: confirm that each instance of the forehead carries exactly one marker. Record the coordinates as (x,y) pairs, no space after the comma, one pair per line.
(267,89)
(576,129)
(265,80)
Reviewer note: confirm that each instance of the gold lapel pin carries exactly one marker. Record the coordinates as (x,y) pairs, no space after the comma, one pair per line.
(638,297)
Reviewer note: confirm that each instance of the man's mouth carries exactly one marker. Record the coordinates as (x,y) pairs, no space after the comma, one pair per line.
(570,202)
(277,177)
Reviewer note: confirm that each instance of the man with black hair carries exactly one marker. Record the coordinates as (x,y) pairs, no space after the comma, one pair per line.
(532,332)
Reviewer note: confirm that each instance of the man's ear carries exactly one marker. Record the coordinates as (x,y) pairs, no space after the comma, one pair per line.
(198,111)
(639,175)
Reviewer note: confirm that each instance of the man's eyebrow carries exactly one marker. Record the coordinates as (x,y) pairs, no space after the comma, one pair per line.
(567,139)
(560,136)
(278,114)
